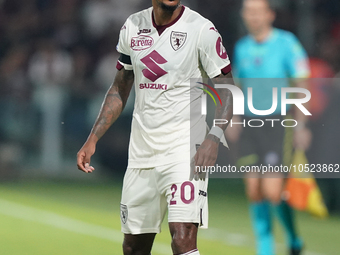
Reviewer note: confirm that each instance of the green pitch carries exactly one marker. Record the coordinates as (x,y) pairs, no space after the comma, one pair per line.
(74,218)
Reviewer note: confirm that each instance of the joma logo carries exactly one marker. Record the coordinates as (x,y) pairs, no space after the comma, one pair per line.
(144,31)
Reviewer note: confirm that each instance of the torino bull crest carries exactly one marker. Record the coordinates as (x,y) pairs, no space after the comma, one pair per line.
(177,39)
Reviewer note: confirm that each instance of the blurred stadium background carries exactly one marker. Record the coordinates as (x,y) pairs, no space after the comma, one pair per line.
(57,59)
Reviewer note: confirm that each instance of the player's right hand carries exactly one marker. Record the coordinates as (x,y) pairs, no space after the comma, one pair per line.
(84,157)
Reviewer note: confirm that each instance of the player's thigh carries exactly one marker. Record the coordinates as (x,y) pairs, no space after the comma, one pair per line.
(138,244)
(185,195)
(272,188)
(142,205)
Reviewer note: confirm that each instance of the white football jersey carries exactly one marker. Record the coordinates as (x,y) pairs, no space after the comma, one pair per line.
(164,59)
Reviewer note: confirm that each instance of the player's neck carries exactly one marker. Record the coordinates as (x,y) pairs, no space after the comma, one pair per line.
(163,17)
(263,35)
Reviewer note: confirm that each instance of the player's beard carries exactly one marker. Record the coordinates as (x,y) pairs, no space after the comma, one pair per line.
(169,8)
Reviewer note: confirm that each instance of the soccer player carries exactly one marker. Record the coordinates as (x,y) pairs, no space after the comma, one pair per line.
(162,48)
(268,52)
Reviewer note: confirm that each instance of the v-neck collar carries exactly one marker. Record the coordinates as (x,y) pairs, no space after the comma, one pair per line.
(161,29)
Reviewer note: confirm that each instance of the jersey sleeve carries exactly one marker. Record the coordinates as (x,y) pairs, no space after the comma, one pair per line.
(297,59)
(213,56)
(123,47)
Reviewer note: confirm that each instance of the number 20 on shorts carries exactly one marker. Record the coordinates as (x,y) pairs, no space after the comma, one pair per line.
(183,197)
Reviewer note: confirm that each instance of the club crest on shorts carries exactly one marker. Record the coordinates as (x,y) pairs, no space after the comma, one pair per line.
(123,213)
(177,39)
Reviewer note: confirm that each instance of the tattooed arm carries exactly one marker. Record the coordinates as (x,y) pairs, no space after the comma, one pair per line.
(207,152)
(113,105)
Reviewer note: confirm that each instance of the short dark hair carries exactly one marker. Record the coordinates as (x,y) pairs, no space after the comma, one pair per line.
(271,4)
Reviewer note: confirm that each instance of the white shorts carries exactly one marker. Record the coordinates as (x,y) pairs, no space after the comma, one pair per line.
(147,193)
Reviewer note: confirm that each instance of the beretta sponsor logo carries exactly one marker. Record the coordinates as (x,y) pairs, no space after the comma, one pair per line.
(141,42)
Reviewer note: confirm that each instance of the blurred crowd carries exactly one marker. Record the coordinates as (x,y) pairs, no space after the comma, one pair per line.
(58,57)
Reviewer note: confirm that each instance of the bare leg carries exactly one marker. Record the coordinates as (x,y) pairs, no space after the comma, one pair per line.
(272,189)
(138,244)
(184,237)
(253,189)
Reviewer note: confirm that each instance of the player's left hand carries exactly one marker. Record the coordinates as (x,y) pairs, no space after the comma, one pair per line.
(206,154)
(302,138)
